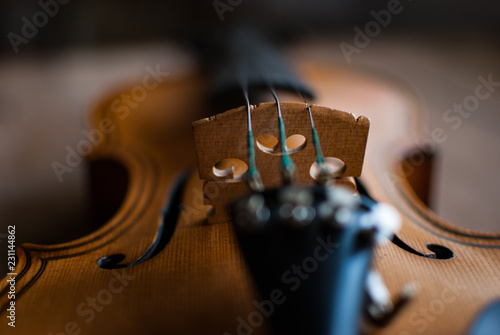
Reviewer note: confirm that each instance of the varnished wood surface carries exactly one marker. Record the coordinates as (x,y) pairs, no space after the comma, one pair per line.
(451,291)
(64,86)
(198,283)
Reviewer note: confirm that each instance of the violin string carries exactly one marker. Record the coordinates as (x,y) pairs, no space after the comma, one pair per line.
(319,154)
(253,175)
(286,162)
(320,160)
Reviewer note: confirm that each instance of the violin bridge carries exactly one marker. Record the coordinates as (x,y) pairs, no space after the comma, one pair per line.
(222,149)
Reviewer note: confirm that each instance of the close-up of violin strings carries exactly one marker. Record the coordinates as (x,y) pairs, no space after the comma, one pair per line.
(232,167)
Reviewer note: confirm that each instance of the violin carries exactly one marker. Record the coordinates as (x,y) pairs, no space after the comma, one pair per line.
(249,201)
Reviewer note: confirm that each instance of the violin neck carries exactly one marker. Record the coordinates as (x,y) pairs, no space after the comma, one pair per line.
(241,60)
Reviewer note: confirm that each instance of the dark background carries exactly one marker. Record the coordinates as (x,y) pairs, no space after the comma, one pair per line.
(94,22)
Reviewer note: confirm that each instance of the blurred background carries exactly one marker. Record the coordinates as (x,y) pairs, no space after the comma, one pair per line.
(52,74)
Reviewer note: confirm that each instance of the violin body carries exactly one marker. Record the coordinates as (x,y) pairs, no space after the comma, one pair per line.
(180,275)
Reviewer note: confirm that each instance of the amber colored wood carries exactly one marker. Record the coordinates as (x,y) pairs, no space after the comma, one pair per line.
(342,135)
(199,283)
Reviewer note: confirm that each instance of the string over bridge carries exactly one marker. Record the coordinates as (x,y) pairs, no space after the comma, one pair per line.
(222,149)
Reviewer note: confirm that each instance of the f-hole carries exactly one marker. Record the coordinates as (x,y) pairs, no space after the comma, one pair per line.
(171,213)
(438,251)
